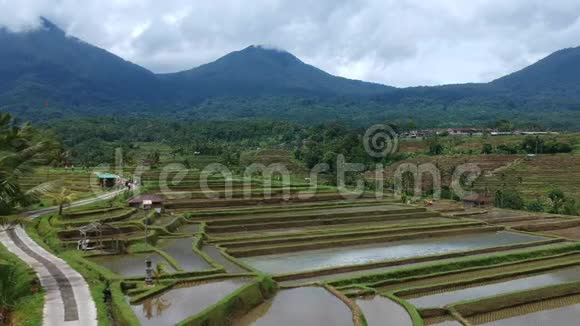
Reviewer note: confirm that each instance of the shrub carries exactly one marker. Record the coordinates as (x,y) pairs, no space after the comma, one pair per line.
(508,198)
(486,149)
(557,199)
(571,207)
(536,206)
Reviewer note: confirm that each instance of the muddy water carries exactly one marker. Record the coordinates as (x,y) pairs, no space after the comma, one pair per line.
(383,311)
(526,283)
(308,306)
(131,265)
(177,304)
(217,256)
(182,251)
(317,259)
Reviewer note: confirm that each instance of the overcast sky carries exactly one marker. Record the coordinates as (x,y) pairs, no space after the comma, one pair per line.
(395,42)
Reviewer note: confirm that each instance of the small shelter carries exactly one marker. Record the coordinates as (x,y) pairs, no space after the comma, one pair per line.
(155,202)
(107,180)
(95,234)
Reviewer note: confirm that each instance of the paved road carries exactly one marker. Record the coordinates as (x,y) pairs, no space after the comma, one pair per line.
(68,299)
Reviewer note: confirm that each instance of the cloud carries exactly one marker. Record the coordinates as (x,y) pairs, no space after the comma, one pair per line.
(396,42)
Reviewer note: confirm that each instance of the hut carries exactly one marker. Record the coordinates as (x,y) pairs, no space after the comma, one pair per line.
(155,202)
(107,180)
(477,200)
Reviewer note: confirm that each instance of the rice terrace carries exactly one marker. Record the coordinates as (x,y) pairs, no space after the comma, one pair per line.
(258,189)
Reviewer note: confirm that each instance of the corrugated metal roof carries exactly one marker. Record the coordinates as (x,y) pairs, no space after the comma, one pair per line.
(141,198)
(107,176)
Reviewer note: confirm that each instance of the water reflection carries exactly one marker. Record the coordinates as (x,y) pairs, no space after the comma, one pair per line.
(182,251)
(310,306)
(157,305)
(525,283)
(317,259)
(177,304)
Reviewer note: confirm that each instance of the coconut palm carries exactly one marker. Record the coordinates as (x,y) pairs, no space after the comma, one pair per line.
(21,150)
(62,197)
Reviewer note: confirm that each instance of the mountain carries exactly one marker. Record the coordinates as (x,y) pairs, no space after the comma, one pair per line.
(47,74)
(47,65)
(257,71)
(556,74)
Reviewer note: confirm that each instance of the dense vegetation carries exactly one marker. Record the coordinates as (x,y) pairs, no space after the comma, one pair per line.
(22,148)
(259,83)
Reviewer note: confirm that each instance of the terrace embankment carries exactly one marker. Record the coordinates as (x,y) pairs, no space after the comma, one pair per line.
(298,223)
(490,285)
(560,311)
(530,177)
(567,228)
(476,272)
(260,200)
(287,208)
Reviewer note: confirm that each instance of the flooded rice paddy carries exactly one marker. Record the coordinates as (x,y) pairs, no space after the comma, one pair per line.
(189,228)
(380,311)
(309,306)
(182,251)
(318,259)
(177,304)
(476,292)
(404,266)
(217,256)
(131,265)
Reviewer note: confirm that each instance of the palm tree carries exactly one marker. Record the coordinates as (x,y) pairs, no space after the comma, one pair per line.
(22,148)
(61,198)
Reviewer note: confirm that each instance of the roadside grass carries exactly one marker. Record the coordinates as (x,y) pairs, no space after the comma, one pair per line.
(44,235)
(28,310)
(27,298)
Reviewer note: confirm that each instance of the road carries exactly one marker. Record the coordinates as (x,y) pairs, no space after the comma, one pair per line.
(44,211)
(68,300)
